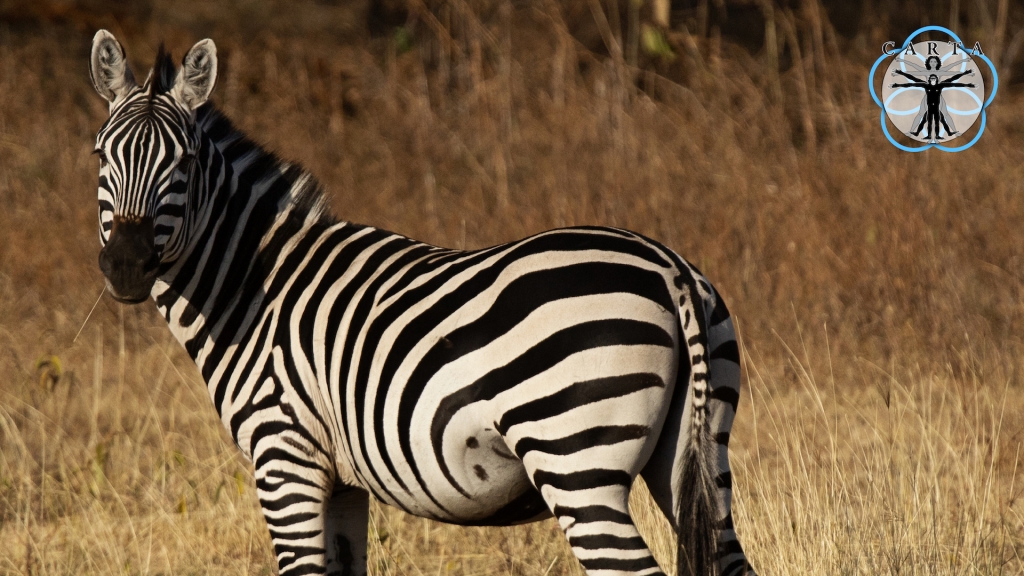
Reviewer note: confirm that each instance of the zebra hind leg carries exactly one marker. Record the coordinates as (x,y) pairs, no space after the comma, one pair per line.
(661,472)
(600,529)
(725,395)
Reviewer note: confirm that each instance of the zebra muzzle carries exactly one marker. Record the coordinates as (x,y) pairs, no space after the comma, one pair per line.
(129,261)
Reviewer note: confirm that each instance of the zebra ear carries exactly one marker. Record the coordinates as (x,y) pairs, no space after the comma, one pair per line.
(197,76)
(108,67)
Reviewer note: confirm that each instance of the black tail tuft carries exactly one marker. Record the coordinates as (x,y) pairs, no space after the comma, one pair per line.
(697,512)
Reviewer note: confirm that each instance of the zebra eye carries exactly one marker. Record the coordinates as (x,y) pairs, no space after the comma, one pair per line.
(102,156)
(183,169)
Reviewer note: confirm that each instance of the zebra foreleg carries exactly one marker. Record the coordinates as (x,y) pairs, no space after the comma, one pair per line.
(295,500)
(348,513)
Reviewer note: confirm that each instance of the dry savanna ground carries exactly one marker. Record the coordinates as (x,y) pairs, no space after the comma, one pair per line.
(877,294)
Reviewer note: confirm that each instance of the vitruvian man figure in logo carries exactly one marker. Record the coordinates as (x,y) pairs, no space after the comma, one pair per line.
(934,110)
(488,387)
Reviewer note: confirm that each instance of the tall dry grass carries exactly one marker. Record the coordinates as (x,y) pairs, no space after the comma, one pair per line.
(878,294)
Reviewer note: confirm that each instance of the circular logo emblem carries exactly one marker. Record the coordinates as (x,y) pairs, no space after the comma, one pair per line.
(932,91)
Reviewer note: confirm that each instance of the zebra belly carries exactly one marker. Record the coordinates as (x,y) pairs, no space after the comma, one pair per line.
(454,396)
(598,409)
(499,490)
(493,487)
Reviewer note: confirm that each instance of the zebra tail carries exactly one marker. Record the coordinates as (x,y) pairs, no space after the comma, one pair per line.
(696,515)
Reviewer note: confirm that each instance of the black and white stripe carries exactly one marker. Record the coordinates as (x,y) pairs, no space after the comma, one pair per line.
(488,387)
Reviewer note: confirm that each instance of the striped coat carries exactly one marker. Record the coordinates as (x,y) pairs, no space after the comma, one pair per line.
(487,387)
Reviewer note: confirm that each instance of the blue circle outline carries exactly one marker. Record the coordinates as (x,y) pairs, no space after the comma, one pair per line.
(874,96)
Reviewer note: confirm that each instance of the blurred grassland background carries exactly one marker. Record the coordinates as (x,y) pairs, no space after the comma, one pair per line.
(877,293)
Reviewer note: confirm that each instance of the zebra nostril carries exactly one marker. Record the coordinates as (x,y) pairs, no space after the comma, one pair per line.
(105,265)
(149,266)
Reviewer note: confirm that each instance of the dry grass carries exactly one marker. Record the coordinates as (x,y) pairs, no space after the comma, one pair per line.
(878,294)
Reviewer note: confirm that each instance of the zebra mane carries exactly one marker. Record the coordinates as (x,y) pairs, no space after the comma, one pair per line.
(305,194)
(161,78)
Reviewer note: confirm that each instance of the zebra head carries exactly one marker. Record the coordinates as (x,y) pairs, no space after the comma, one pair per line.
(148,160)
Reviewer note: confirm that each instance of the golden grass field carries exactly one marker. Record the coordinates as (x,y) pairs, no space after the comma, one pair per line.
(878,294)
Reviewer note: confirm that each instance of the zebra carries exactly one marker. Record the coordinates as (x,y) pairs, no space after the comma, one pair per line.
(488,387)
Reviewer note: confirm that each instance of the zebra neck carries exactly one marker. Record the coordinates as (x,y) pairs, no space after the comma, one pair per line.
(251,206)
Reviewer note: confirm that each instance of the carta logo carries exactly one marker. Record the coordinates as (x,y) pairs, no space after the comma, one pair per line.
(933,91)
